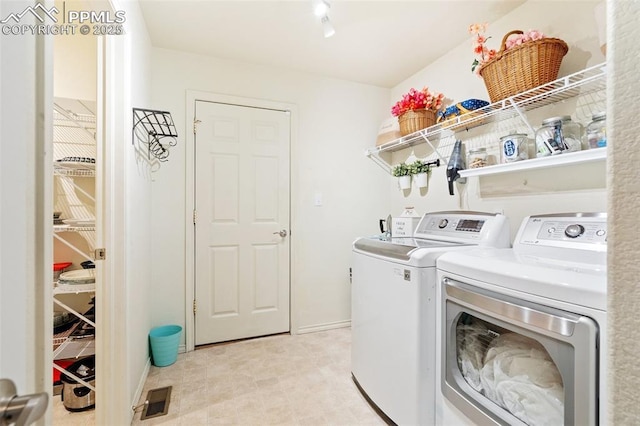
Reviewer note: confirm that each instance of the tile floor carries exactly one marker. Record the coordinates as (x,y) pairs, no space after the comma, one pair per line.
(66,418)
(275,380)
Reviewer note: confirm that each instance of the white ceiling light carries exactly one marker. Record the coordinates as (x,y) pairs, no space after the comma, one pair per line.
(320,7)
(327,28)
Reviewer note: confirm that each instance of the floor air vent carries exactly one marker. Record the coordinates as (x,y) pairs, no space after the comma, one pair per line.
(157,403)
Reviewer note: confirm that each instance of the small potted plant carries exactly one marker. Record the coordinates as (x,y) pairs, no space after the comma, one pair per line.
(417,110)
(420,172)
(403,173)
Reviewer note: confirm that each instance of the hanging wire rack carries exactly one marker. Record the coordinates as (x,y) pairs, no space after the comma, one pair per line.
(155,129)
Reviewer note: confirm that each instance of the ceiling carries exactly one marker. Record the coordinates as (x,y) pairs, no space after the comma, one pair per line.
(376,42)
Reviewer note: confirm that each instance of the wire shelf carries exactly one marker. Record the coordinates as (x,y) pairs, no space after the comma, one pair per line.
(584,82)
(65,117)
(75,348)
(74,288)
(60,338)
(74,154)
(60,170)
(69,228)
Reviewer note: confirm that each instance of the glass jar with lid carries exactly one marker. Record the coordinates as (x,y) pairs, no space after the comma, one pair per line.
(477,157)
(558,135)
(514,147)
(596,131)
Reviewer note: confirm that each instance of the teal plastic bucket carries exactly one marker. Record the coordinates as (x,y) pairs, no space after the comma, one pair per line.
(164,342)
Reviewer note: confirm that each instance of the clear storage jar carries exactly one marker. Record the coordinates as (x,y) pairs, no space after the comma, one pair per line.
(514,147)
(477,157)
(596,131)
(558,135)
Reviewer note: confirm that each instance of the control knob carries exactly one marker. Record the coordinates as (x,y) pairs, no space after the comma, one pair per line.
(443,223)
(574,231)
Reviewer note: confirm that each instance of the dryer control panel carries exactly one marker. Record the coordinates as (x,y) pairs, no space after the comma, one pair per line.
(585,231)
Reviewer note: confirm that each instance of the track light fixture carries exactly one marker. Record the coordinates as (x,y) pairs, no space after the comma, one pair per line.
(327,28)
(321,10)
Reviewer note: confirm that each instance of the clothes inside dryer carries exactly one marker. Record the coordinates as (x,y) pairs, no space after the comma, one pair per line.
(512,370)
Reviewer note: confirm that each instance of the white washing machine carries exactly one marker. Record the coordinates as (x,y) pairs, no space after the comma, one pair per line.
(393,317)
(523,330)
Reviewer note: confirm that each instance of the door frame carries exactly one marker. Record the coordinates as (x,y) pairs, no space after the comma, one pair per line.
(192,96)
(112,403)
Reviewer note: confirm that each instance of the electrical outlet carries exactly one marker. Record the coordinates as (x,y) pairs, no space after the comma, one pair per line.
(317,199)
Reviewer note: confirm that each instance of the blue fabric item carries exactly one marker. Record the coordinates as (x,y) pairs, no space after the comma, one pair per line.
(472,104)
(461,108)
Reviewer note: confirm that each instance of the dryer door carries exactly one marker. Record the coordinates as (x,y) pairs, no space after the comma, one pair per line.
(509,361)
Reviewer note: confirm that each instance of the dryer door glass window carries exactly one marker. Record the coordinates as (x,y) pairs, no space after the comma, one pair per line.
(511,370)
(516,362)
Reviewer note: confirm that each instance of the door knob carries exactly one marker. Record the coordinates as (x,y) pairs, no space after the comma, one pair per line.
(282,233)
(20,410)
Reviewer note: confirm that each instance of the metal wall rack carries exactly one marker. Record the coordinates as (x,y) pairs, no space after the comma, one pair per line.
(152,126)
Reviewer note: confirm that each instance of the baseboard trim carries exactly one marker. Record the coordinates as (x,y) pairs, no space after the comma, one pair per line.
(140,388)
(322,327)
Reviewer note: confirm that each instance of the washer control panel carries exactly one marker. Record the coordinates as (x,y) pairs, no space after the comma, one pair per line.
(575,230)
(465,227)
(451,224)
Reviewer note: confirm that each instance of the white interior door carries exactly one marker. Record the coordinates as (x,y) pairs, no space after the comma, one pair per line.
(26,317)
(241,222)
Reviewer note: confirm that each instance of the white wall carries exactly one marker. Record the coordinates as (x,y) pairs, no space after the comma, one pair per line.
(136,188)
(337,120)
(624,201)
(74,67)
(517,195)
(451,74)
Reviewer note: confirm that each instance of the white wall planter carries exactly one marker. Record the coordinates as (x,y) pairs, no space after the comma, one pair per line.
(422,179)
(404,182)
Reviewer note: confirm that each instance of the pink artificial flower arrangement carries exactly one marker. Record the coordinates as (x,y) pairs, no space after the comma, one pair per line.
(518,39)
(417,100)
(485,54)
(479,47)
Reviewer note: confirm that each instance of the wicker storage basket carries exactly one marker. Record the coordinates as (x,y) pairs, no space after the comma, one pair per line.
(412,121)
(522,68)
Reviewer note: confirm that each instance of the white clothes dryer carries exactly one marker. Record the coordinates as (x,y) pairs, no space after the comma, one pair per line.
(523,330)
(393,318)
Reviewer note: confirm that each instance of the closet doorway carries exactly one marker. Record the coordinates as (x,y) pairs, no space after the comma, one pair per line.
(77,229)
